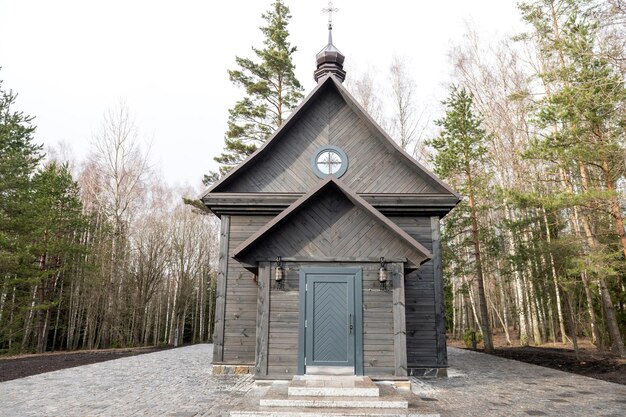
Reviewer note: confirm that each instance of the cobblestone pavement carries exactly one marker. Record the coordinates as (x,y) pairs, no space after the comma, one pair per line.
(178,382)
(485,385)
(175,382)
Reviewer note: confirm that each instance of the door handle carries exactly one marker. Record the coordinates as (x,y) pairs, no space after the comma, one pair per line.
(350,323)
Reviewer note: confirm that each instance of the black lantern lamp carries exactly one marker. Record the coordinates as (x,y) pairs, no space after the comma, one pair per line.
(383,275)
(280,273)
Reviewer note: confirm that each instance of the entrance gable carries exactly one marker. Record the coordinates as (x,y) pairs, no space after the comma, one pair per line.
(330,116)
(331,223)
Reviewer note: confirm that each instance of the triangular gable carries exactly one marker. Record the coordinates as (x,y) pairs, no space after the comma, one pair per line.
(331,221)
(283,165)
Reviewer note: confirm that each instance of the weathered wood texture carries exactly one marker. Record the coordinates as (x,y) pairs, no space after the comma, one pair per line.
(220,303)
(374,167)
(240,316)
(440,317)
(378,355)
(387,204)
(262,319)
(399,322)
(425,339)
(331,226)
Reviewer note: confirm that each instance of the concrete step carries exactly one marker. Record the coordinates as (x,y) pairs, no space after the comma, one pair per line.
(277,396)
(278,391)
(335,386)
(303,412)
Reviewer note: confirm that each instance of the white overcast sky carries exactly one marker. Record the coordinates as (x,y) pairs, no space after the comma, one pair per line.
(71,60)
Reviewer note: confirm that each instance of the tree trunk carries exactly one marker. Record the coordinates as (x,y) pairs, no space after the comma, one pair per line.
(575,222)
(504,314)
(609,311)
(616,212)
(484,312)
(555,281)
(572,324)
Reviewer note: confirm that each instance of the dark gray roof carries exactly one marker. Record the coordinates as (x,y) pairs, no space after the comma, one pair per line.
(329,81)
(420,253)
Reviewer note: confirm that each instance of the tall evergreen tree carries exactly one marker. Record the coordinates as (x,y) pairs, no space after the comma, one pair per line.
(272,91)
(460,149)
(54,247)
(19,157)
(582,121)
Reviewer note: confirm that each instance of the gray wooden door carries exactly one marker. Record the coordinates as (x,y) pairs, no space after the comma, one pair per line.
(331,317)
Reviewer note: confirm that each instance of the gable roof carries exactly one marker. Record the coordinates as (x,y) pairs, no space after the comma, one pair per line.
(329,81)
(418,253)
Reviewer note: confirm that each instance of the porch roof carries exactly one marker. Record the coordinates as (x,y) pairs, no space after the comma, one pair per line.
(398,244)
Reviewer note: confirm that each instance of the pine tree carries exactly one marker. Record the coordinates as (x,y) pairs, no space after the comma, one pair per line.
(54,245)
(19,157)
(460,148)
(582,122)
(272,91)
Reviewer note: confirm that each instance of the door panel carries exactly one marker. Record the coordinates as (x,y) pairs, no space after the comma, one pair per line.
(329,332)
(330,308)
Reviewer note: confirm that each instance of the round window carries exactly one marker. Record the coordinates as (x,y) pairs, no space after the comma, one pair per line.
(329,160)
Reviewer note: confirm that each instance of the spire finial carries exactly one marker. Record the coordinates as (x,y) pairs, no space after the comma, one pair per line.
(330,10)
(330,60)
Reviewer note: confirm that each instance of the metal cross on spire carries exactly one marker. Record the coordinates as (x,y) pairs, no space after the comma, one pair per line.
(330,10)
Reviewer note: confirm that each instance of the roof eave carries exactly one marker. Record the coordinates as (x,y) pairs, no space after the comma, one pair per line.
(268,143)
(353,197)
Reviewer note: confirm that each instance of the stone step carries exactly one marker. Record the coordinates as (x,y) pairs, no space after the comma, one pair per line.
(335,386)
(277,396)
(311,406)
(303,412)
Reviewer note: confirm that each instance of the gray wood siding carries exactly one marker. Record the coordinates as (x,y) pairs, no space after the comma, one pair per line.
(331,226)
(283,328)
(378,355)
(378,347)
(422,337)
(373,166)
(241,296)
(241,309)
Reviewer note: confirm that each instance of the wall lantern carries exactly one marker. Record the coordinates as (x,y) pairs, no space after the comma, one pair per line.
(383,274)
(280,273)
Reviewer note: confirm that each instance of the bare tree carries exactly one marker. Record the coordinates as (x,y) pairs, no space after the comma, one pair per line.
(405,117)
(363,86)
(121,166)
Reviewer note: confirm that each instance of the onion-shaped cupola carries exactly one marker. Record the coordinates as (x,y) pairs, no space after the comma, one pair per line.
(330,60)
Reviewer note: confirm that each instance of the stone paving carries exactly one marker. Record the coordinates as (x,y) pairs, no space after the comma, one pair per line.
(178,382)
(490,386)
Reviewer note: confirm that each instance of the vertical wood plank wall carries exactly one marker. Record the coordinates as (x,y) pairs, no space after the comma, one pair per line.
(378,352)
(241,296)
(425,341)
(378,358)
(262,319)
(399,319)
(220,299)
(440,320)
(283,327)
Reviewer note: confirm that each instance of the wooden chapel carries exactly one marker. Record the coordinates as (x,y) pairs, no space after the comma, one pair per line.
(330,259)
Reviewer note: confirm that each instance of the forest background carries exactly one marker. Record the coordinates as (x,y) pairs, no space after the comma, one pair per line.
(102,253)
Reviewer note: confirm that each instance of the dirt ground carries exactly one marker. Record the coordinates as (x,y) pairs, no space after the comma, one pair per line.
(590,362)
(13,367)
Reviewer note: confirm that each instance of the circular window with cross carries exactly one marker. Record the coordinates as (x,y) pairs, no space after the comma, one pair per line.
(329,160)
